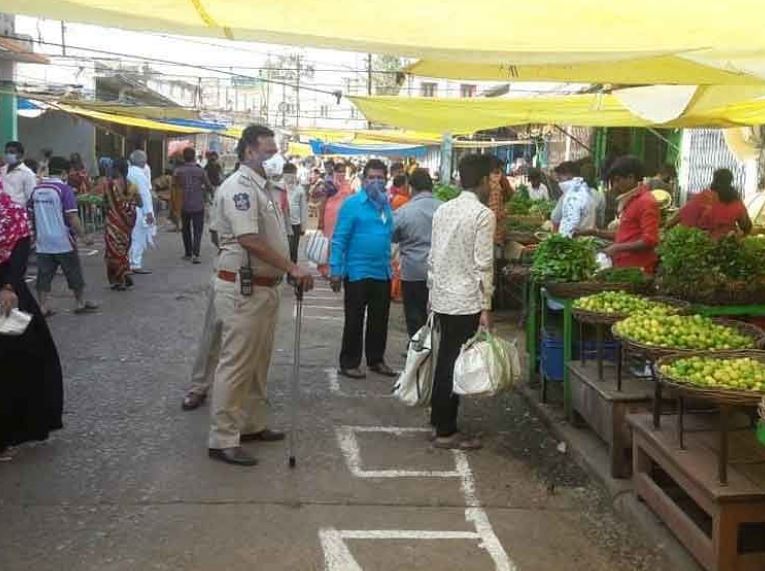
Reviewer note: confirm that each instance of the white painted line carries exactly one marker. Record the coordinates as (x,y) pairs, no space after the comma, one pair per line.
(337,556)
(406,534)
(334,381)
(328,307)
(349,444)
(323,318)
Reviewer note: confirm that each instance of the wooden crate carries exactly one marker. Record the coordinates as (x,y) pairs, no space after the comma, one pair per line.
(723,526)
(603,408)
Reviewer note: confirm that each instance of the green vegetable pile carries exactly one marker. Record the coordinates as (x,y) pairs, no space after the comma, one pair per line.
(560,259)
(521,205)
(634,276)
(90,199)
(446,192)
(695,266)
(521,226)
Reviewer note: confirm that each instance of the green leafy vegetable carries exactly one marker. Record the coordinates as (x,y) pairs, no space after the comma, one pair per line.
(560,259)
(446,192)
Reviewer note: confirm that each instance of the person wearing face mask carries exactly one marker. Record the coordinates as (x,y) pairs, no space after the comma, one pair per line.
(18,180)
(253,260)
(576,209)
(360,260)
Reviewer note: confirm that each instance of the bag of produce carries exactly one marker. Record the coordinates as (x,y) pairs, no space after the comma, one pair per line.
(415,384)
(486,366)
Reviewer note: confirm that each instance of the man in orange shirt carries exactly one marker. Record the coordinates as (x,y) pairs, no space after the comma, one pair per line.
(636,239)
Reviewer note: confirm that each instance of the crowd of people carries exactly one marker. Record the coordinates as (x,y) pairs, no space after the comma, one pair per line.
(383,225)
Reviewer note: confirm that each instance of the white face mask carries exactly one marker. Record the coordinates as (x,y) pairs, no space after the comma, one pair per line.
(274,166)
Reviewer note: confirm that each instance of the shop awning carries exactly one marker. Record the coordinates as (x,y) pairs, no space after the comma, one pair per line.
(710,107)
(488,31)
(139,122)
(667,70)
(381,149)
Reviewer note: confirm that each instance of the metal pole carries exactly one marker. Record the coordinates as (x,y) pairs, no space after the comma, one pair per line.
(297,95)
(295,373)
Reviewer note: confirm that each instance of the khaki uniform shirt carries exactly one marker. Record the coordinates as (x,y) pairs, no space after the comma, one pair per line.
(245,206)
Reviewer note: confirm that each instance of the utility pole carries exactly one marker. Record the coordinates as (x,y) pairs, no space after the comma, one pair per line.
(297,94)
(63,38)
(369,82)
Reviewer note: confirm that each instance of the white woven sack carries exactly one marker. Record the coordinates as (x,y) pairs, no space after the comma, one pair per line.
(317,248)
(415,384)
(486,365)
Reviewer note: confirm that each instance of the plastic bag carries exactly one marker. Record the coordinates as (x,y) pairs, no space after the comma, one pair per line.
(415,384)
(486,366)
(317,248)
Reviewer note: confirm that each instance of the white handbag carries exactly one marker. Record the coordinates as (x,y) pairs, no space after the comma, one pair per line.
(317,248)
(415,385)
(486,365)
(15,323)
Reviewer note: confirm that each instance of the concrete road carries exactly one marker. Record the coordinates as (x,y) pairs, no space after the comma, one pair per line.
(128,485)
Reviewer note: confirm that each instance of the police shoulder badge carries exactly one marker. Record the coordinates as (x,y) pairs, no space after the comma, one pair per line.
(242,201)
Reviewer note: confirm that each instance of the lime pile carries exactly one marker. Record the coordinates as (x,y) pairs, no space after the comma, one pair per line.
(619,302)
(692,332)
(739,373)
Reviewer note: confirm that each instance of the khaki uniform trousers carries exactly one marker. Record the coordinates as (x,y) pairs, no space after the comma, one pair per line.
(208,351)
(240,399)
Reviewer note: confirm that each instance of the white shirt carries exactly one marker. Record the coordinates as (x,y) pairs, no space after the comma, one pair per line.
(576,208)
(298,205)
(19,183)
(137,176)
(540,193)
(461,261)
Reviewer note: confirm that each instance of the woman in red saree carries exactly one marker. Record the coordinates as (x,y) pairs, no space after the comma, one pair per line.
(121,199)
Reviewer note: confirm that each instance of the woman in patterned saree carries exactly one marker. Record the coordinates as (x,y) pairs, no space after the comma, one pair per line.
(121,201)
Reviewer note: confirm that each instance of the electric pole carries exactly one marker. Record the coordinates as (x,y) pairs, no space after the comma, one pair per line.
(369,74)
(297,93)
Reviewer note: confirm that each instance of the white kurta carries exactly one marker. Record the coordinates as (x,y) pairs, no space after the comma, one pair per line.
(143,232)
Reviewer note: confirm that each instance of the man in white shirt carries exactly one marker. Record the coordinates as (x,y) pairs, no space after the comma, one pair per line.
(18,180)
(298,208)
(576,209)
(461,280)
(145,228)
(537,189)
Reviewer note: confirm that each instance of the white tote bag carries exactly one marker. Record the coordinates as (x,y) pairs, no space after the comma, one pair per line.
(317,248)
(486,366)
(415,384)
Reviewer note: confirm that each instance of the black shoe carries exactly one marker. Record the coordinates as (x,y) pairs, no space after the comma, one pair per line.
(383,369)
(266,435)
(192,401)
(352,373)
(236,456)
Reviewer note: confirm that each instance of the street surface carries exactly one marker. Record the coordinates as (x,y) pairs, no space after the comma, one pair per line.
(127,484)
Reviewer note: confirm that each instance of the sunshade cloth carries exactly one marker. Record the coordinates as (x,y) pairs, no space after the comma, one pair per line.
(711,106)
(381,149)
(128,121)
(489,31)
(666,70)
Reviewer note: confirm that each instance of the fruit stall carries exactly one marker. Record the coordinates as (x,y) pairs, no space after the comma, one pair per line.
(672,385)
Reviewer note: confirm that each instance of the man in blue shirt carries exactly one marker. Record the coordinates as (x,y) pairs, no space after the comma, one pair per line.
(360,258)
(413,229)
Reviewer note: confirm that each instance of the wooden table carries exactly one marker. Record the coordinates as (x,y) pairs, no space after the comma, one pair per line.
(723,526)
(603,408)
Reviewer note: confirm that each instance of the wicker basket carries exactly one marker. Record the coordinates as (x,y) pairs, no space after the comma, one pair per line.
(653,353)
(524,238)
(573,290)
(597,318)
(716,395)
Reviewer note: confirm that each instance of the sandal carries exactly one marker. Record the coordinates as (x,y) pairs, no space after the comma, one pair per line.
(48,313)
(89,307)
(457,441)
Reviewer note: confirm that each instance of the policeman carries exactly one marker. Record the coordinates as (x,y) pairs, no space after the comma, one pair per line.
(253,260)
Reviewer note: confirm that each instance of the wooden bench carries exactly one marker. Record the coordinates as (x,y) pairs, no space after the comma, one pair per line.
(723,526)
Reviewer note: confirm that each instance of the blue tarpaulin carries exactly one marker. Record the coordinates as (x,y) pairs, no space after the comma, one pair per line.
(195,123)
(319,147)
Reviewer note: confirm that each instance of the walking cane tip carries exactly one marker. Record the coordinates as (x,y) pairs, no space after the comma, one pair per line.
(292,462)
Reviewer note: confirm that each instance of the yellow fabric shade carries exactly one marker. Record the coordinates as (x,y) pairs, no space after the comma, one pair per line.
(299,149)
(128,121)
(489,31)
(712,108)
(668,70)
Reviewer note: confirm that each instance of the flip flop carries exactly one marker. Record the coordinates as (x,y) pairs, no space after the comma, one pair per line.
(89,307)
(49,313)
(457,442)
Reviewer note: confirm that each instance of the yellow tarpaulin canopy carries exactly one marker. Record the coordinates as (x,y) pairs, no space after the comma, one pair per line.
(127,121)
(668,70)
(712,107)
(299,149)
(489,31)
